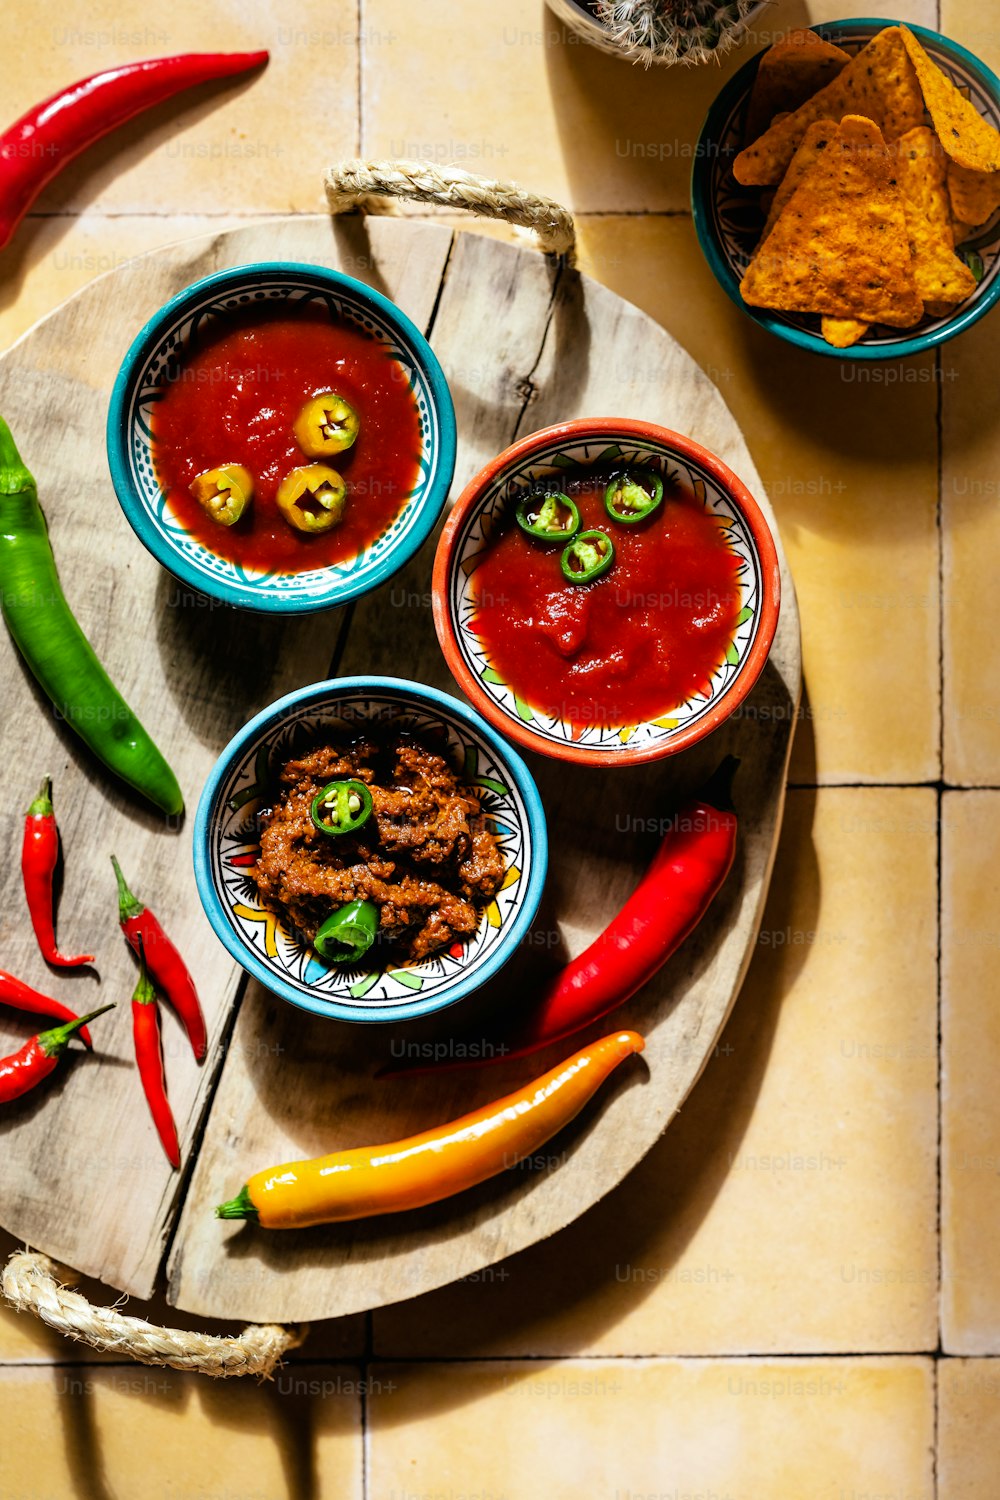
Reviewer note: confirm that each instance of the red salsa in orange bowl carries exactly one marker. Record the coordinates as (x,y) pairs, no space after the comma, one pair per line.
(281,437)
(606,591)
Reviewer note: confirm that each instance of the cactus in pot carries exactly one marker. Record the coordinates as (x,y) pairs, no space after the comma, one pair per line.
(673,31)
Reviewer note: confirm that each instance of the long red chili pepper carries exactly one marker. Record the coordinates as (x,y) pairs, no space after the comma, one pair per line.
(38,145)
(39,856)
(165,963)
(670,900)
(149,1057)
(36,1059)
(20,996)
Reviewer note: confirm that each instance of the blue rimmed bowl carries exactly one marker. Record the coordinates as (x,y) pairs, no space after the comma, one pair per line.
(158,351)
(728,217)
(226,844)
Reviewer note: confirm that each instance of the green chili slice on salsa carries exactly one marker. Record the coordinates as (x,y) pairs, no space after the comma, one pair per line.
(548,516)
(633,495)
(587,557)
(342,807)
(348,932)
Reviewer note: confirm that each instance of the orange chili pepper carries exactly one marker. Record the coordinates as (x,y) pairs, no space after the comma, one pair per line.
(425,1168)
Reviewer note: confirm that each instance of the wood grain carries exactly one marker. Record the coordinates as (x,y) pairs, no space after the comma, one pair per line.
(522,345)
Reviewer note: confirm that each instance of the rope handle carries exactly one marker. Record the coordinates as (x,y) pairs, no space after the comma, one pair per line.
(350,181)
(31,1283)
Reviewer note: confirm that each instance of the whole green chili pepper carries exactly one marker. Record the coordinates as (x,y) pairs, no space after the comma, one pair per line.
(46,633)
(348,932)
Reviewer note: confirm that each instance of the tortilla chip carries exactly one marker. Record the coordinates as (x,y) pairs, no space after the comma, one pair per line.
(939,309)
(840,247)
(843,332)
(920,171)
(790,72)
(963,132)
(960,232)
(975,196)
(879,82)
(813,148)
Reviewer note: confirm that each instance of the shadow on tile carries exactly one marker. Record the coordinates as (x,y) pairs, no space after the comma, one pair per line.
(633,128)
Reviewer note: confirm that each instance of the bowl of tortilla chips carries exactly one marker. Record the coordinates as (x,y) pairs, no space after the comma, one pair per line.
(846,189)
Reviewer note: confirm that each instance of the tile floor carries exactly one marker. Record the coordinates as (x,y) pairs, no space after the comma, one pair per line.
(797,1294)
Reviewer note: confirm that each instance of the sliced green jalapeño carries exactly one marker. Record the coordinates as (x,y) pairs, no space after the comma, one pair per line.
(348,932)
(587,557)
(548,516)
(342,807)
(633,495)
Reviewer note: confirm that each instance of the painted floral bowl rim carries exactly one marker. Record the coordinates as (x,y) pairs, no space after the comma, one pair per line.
(499,485)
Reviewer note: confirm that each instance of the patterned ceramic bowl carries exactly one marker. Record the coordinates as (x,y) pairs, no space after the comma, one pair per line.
(226,843)
(499,486)
(156,353)
(729,220)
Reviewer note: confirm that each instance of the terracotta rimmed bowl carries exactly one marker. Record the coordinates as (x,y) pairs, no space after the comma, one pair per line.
(227,842)
(496,490)
(728,217)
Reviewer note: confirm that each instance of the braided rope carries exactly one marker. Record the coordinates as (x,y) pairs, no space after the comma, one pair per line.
(31,1284)
(424,181)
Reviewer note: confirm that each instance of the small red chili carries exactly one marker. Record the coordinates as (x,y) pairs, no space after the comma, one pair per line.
(23,1069)
(20,996)
(675,892)
(38,145)
(39,857)
(149,1057)
(165,963)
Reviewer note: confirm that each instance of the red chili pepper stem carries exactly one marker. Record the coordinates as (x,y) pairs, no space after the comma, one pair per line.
(41,807)
(129,906)
(39,858)
(55,1041)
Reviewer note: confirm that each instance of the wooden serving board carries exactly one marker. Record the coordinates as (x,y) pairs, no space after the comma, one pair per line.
(523,344)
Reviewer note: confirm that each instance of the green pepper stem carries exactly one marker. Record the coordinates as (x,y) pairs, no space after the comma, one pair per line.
(15,478)
(128,905)
(41,807)
(239,1207)
(54,1041)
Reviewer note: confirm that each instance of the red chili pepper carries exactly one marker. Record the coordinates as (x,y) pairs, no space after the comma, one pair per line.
(20,996)
(666,906)
(39,856)
(149,1056)
(165,963)
(38,145)
(36,1059)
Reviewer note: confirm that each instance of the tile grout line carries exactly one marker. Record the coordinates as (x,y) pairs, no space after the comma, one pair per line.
(939,843)
(364,1363)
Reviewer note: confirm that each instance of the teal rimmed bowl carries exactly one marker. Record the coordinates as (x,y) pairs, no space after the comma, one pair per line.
(728,217)
(158,350)
(226,843)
